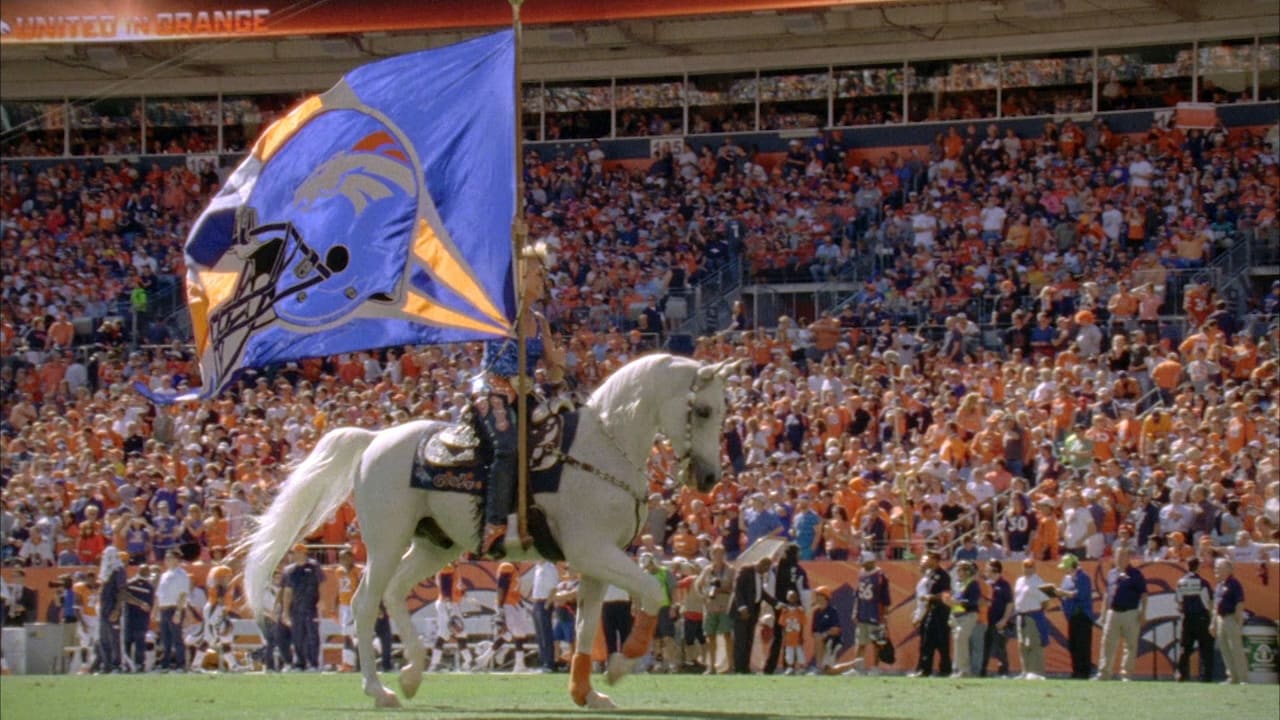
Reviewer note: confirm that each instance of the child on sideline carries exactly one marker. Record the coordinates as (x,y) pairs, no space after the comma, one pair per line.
(791,620)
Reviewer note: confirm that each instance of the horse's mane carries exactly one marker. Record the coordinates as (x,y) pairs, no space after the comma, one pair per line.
(618,397)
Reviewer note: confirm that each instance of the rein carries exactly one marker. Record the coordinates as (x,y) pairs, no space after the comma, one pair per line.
(638,495)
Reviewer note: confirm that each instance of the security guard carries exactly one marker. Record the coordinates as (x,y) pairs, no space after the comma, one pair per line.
(301,608)
(139,599)
(1195,596)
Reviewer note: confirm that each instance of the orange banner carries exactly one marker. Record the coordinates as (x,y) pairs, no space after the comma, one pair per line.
(31,21)
(1159,631)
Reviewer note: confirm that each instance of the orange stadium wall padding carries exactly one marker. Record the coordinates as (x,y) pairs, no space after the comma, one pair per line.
(1159,636)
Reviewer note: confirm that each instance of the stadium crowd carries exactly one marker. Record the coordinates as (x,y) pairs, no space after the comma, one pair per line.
(1079,421)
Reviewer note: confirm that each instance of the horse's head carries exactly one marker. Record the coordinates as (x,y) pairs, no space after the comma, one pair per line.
(696,422)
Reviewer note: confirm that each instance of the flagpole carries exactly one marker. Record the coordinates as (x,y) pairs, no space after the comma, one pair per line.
(519,234)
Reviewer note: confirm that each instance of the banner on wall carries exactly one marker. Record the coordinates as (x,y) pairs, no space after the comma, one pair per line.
(1158,644)
(80,21)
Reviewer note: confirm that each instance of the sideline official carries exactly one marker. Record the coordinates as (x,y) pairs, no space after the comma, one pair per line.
(301,584)
(1195,598)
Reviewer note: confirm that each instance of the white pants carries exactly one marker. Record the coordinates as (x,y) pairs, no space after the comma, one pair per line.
(519,623)
(448,614)
(793,656)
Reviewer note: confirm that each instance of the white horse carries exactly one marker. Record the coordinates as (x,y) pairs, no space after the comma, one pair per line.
(597,511)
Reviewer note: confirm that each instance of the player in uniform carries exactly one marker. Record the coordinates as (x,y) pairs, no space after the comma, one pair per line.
(348,575)
(86,593)
(215,629)
(512,622)
(449,625)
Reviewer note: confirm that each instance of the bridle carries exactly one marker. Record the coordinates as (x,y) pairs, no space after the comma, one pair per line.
(692,408)
(682,460)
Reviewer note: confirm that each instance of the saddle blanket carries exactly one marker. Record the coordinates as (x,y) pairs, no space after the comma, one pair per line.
(470,477)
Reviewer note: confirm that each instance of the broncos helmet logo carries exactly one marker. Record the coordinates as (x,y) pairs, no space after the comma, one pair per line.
(360,177)
(300,269)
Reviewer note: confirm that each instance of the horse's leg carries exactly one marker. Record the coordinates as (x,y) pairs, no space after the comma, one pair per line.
(422,560)
(365,606)
(612,566)
(590,597)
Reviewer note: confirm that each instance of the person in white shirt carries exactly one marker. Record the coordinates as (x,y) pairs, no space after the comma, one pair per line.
(1046,389)
(993,217)
(1247,551)
(170,608)
(545,578)
(1029,602)
(1077,526)
(1141,172)
(924,226)
(37,549)
(1177,515)
(1112,221)
(981,488)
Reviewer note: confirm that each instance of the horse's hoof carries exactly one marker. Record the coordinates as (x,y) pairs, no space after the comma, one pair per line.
(410,680)
(619,667)
(599,701)
(386,700)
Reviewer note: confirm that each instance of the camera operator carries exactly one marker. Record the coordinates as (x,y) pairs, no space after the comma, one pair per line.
(716,585)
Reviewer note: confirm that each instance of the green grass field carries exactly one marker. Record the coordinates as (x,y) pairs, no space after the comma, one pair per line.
(690,697)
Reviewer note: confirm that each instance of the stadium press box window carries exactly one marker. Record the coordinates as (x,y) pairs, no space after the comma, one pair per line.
(1269,68)
(954,90)
(1053,84)
(649,106)
(578,110)
(1144,77)
(870,95)
(724,102)
(790,100)
(32,129)
(531,101)
(1226,71)
(182,124)
(112,126)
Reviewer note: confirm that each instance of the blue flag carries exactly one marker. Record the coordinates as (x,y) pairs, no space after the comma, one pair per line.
(376,214)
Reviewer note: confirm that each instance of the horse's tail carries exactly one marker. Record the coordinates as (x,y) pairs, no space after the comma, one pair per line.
(312,492)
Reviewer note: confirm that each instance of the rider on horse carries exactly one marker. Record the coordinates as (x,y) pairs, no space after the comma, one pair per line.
(494,395)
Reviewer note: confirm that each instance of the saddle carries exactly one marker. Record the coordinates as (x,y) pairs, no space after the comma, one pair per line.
(457,457)
(459,444)
(455,446)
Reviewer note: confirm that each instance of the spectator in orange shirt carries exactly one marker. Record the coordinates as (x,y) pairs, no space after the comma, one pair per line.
(1156,426)
(1178,550)
(1241,429)
(1167,375)
(1047,538)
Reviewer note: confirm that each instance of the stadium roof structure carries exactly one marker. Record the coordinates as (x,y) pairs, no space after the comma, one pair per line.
(573,39)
